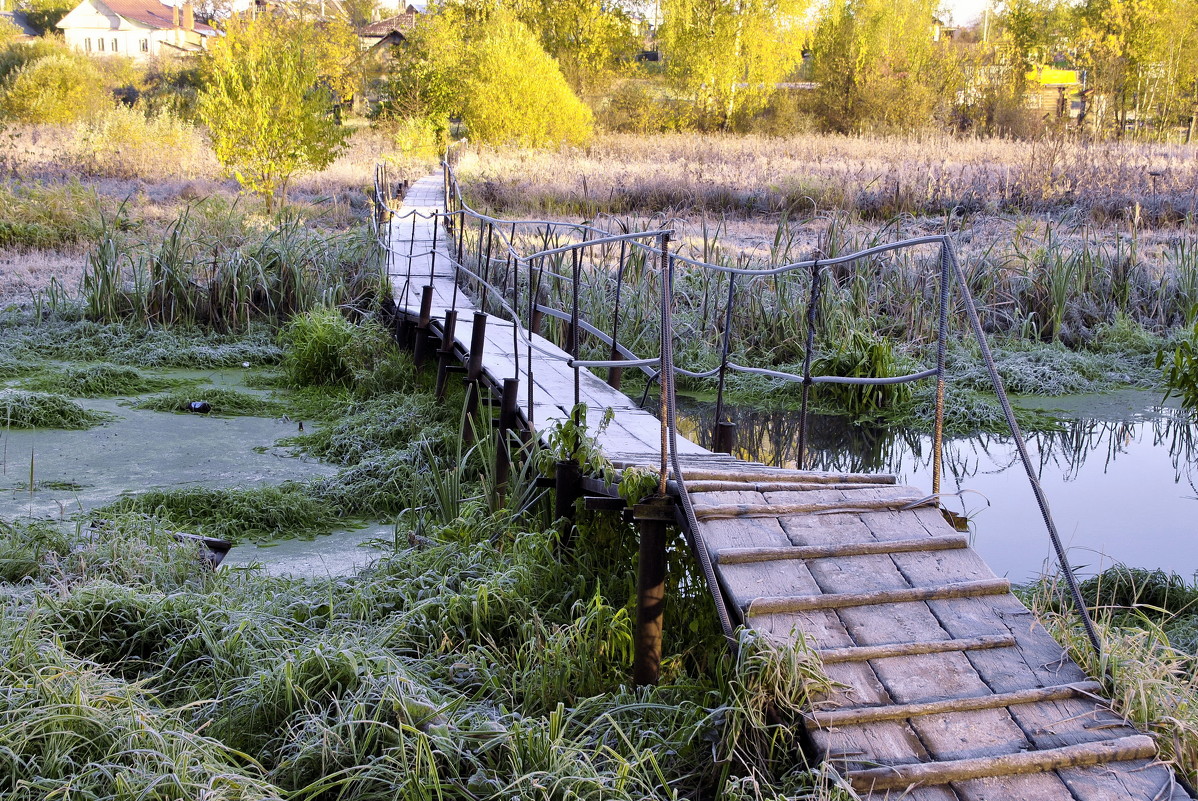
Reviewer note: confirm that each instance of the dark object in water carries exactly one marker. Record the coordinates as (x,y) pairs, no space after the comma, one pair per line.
(200,407)
(212,550)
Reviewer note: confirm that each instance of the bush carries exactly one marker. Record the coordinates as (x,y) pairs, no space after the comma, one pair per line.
(322,348)
(125,143)
(54,89)
(515,94)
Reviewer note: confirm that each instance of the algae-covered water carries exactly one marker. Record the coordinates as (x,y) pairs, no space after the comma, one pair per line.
(1120,476)
(75,472)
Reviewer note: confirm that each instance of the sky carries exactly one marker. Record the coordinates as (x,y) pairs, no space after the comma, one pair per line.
(965,11)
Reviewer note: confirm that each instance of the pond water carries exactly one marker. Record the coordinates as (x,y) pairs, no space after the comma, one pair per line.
(1120,476)
(76,471)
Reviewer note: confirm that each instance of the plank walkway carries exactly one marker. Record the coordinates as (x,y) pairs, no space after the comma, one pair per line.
(946,687)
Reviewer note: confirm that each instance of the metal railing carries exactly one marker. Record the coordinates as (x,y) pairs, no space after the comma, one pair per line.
(604,295)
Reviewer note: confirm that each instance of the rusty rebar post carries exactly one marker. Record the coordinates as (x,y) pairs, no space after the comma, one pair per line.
(653,518)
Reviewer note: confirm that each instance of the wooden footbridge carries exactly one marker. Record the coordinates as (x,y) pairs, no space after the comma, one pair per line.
(946,687)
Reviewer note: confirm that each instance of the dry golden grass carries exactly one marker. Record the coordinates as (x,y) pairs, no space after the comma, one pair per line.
(878,176)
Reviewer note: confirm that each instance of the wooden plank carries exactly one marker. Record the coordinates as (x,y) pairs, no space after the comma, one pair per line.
(899,776)
(960,589)
(859,715)
(734,556)
(862,653)
(710,512)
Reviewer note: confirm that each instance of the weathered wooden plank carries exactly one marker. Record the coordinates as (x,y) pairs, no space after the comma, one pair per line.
(897,776)
(960,589)
(859,715)
(862,653)
(735,556)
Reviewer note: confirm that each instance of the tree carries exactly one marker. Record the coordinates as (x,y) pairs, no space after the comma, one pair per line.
(590,39)
(729,55)
(1140,59)
(483,65)
(268,112)
(515,94)
(876,64)
(44,15)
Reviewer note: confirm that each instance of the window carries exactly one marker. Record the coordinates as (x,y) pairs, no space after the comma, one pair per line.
(145,45)
(87,45)
(114,45)
(100,44)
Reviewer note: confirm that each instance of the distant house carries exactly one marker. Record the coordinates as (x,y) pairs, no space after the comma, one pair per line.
(26,32)
(391,31)
(135,28)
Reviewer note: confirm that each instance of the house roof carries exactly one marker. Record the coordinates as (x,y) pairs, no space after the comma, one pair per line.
(400,23)
(19,19)
(152,13)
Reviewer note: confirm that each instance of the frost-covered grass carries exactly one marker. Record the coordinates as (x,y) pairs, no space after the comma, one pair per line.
(23,409)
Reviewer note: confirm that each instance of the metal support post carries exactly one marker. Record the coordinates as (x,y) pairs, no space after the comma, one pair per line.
(568,480)
(725,437)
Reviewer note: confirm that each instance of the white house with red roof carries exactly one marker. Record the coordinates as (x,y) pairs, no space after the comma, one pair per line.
(134,28)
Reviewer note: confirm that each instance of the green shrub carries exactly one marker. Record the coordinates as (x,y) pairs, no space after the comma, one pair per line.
(322,348)
(1179,368)
(54,89)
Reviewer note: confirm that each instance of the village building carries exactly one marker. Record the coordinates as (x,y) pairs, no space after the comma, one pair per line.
(25,33)
(379,35)
(138,29)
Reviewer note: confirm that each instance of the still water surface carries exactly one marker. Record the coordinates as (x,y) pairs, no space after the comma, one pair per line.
(1120,475)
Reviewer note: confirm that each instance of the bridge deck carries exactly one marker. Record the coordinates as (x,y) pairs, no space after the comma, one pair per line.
(946,687)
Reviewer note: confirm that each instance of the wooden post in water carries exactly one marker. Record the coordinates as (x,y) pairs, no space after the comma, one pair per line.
(652,519)
(724,437)
(422,344)
(445,354)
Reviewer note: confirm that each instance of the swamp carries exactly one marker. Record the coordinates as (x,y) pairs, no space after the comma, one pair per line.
(387,626)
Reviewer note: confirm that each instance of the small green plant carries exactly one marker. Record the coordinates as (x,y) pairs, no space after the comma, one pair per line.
(1180,369)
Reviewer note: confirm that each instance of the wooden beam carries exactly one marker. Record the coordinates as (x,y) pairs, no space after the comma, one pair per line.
(874,714)
(742,510)
(863,653)
(741,556)
(804,603)
(896,777)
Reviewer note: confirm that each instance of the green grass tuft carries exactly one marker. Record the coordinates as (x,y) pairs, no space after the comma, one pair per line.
(23,409)
(261,513)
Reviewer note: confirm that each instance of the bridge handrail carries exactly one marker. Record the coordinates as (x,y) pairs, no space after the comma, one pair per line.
(457,211)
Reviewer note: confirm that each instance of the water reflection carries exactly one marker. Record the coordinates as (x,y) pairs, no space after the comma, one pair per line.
(1119,474)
